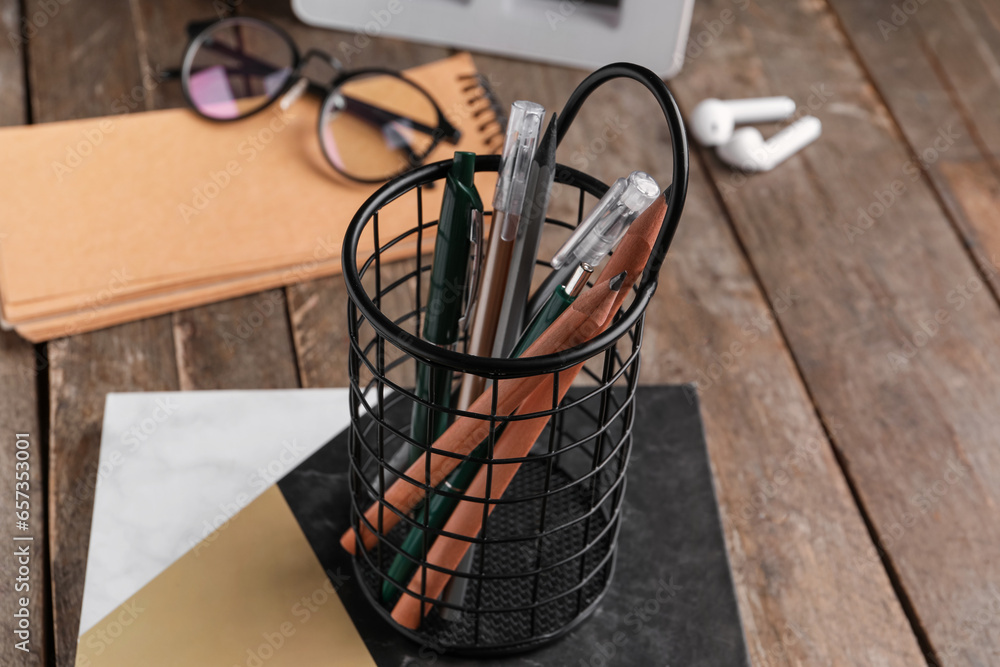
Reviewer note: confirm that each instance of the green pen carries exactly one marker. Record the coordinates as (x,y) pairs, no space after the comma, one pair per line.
(452,279)
(594,238)
(597,235)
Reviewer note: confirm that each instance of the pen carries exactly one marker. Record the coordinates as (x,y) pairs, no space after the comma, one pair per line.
(555,278)
(541,174)
(436,512)
(529,235)
(631,256)
(447,552)
(511,199)
(452,280)
(462,436)
(594,238)
(573,327)
(523,129)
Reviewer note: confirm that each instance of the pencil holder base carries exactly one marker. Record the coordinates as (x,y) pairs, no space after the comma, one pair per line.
(504,586)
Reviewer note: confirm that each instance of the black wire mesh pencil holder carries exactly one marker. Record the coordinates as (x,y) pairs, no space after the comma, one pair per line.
(545,556)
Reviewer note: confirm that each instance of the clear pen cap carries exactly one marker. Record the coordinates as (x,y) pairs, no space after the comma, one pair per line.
(523,132)
(605,226)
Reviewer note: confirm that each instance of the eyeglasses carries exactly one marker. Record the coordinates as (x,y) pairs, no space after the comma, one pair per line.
(374,124)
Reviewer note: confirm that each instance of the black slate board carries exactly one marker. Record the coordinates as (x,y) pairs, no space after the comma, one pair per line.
(671,602)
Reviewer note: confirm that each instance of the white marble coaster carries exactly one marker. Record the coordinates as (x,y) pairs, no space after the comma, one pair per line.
(174,466)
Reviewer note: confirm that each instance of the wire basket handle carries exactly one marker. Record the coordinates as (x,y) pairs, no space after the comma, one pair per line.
(676,192)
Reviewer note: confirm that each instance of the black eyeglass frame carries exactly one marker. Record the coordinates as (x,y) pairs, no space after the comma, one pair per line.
(200,31)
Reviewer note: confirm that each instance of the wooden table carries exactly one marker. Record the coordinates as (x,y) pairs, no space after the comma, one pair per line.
(840,313)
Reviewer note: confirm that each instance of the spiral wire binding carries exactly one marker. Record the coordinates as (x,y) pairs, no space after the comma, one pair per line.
(479,82)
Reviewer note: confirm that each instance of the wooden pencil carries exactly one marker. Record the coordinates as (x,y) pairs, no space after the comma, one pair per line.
(580,322)
(467,519)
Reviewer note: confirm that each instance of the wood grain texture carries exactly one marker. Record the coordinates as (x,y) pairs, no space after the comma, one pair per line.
(20,367)
(936,67)
(87,63)
(893,333)
(792,528)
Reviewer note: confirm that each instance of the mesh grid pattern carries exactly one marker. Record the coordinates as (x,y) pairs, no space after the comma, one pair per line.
(547,551)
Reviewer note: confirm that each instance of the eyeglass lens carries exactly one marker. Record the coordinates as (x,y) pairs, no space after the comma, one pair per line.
(375,126)
(238,67)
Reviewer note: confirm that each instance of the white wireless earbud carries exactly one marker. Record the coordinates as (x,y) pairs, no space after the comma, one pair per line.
(712,121)
(748,151)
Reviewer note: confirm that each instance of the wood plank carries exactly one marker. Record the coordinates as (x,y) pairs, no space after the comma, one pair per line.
(792,528)
(915,399)
(937,71)
(964,38)
(20,367)
(244,343)
(85,63)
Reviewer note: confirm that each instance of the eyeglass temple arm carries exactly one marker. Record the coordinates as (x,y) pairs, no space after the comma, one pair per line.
(374,114)
(249,64)
(195,28)
(380,119)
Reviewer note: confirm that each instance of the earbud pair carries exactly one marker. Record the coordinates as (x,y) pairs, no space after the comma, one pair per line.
(713,122)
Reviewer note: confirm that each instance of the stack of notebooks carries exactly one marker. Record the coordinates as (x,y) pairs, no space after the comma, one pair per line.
(109,220)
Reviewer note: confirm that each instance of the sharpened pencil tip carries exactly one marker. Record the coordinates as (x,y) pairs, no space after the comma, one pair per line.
(617,282)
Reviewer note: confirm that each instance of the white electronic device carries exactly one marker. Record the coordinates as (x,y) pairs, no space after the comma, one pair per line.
(712,122)
(578,33)
(748,151)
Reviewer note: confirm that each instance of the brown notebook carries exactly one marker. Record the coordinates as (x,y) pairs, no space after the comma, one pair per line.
(107,220)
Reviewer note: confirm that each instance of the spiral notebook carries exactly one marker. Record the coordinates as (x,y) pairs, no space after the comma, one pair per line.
(113,219)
